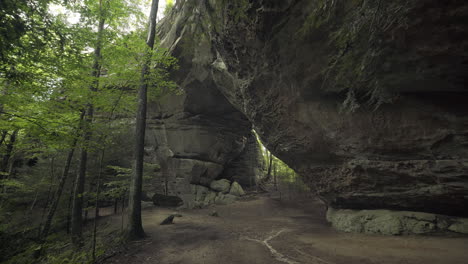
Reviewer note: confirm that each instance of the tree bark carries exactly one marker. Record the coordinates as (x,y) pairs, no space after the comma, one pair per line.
(116,203)
(123,213)
(3,136)
(77,212)
(9,151)
(59,191)
(275,183)
(268,177)
(135,228)
(96,208)
(69,208)
(49,192)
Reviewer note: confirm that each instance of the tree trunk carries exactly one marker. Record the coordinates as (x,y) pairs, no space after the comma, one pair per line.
(59,191)
(69,208)
(49,197)
(135,228)
(33,204)
(268,177)
(116,203)
(9,150)
(123,211)
(96,208)
(77,212)
(3,136)
(78,192)
(275,183)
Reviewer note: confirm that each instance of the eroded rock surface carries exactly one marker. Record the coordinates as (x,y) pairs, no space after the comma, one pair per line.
(222,185)
(236,189)
(195,136)
(388,222)
(365,99)
(202,196)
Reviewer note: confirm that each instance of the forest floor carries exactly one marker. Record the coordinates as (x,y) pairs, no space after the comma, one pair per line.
(264,230)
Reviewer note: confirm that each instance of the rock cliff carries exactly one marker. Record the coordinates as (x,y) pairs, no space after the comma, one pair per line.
(197,136)
(365,99)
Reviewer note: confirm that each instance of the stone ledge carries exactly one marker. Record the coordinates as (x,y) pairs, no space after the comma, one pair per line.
(389,222)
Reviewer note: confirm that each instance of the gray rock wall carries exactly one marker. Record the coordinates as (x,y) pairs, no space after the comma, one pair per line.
(366,101)
(195,135)
(246,168)
(395,222)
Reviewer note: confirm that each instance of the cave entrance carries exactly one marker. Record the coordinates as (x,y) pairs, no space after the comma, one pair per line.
(277,177)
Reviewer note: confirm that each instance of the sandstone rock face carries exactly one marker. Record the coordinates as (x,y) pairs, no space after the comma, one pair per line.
(365,99)
(195,135)
(201,196)
(388,222)
(246,168)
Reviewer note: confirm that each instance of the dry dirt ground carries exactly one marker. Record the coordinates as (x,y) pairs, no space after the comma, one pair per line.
(262,230)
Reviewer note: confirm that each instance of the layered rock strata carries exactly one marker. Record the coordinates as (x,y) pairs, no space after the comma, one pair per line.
(365,99)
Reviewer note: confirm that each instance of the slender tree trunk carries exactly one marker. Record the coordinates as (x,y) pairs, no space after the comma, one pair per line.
(86,205)
(96,208)
(77,212)
(28,213)
(9,150)
(69,208)
(48,198)
(135,228)
(59,191)
(123,213)
(165,171)
(116,203)
(275,177)
(3,136)
(33,204)
(266,179)
(270,163)
(78,192)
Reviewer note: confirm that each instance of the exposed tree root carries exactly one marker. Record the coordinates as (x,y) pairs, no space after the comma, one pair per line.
(278,256)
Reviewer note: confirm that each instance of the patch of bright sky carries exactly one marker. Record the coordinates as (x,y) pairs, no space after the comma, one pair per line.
(74,18)
(71,17)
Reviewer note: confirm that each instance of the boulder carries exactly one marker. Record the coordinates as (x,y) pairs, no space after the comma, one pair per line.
(222,185)
(209,198)
(388,222)
(200,192)
(202,196)
(166,200)
(224,199)
(459,226)
(236,189)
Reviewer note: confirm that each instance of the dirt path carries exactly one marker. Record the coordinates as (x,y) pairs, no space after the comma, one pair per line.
(262,230)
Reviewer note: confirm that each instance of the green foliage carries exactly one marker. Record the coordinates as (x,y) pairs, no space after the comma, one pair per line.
(169,6)
(118,187)
(45,76)
(12,183)
(59,251)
